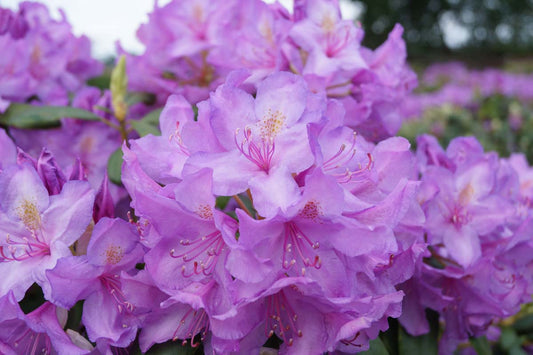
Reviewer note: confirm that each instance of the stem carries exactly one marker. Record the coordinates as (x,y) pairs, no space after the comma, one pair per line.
(338,85)
(347,93)
(123,132)
(242,205)
(110,124)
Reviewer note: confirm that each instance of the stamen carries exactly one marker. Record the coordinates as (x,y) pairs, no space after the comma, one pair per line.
(337,41)
(300,246)
(341,160)
(260,154)
(351,341)
(198,322)
(23,248)
(112,284)
(178,141)
(203,252)
(281,318)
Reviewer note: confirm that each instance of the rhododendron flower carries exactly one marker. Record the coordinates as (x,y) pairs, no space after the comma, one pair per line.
(305,209)
(37,229)
(96,277)
(475,231)
(265,140)
(90,142)
(314,42)
(331,45)
(39,332)
(42,58)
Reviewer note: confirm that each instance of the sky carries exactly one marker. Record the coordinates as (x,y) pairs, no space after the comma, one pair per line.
(109,21)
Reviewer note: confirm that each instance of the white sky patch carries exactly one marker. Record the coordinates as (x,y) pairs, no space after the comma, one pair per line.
(455,34)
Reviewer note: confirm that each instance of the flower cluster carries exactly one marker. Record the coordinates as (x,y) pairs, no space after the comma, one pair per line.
(88,142)
(460,86)
(322,232)
(478,233)
(45,64)
(42,61)
(191,46)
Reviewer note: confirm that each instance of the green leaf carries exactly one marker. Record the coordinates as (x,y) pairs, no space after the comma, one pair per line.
(174,348)
(222,202)
(422,344)
(30,116)
(195,111)
(114,167)
(509,339)
(133,98)
(481,345)
(377,348)
(517,350)
(390,337)
(434,262)
(74,316)
(149,124)
(102,82)
(524,325)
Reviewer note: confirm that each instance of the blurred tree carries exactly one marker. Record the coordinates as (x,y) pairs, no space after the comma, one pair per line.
(493,26)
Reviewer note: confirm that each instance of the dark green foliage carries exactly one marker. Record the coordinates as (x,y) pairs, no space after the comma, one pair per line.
(495,26)
(490,121)
(114,167)
(32,300)
(30,116)
(481,345)
(149,124)
(376,348)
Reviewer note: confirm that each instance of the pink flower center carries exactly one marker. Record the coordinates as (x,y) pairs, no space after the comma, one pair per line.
(260,154)
(459,216)
(260,150)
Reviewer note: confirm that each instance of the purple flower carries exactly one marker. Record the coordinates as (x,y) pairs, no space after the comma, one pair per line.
(90,142)
(96,277)
(319,207)
(461,86)
(477,234)
(8,151)
(178,38)
(40,331)
(264,139)
(193,245)
(162,157)
(37,229)
(42,57)
(329,46)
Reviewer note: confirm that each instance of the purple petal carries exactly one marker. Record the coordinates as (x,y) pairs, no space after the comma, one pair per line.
(69,213)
